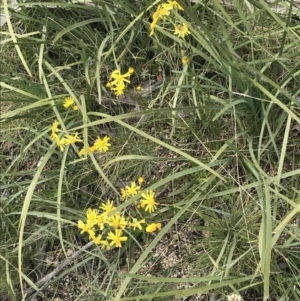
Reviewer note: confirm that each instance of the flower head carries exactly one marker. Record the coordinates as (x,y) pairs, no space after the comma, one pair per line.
(148,202)
(98,240)
(119,89)
(175,5)
(84,152)
(102,145)
(153,227)
(68,102)
(140,180)
(85,227)
(61,143)
(132,190)
(185,60)
(91,215)
(116,238)
(69,139)
(101,220)
(118,222)
(181,30)
(124,193)
(137,224)
(107,208)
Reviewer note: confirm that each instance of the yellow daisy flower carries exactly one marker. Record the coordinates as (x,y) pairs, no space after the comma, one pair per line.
(153,227)
(102,145)
(116,238)
(92,215)
(107,208)
(133,189)
(181,30)
(68,102)
(148,202)
(137,224)
(69,139)
(185,60)
(116,221)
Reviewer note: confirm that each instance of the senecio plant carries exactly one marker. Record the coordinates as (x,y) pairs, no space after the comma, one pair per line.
(107,229)
(104,228)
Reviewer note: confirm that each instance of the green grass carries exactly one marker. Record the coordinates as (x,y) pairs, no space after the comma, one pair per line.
(220,148)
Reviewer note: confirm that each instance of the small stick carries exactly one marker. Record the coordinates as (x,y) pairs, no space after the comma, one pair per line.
(49,276)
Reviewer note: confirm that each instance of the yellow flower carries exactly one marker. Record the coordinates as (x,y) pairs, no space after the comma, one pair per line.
(54,130)
(124,193)
(102,144)
(116,221)
(69,139)
(139,89)
(61,143)
(55,126)
(130,70)
(107,208)
(92,215)
(54,136)
(119,89)
(132,190)
(85,227)
(119,78)
(148,202)
(185,60)
(68,102)
(84,152)
(97,240)
(75,108)
(140,180)
(181,30)
(137,224)
(153,227)
(116,238)
(101,220)
(161,11)
(175,5)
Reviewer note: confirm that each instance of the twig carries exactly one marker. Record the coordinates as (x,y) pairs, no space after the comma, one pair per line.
(49,276)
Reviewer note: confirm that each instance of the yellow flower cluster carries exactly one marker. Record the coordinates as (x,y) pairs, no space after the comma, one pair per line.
(117,81)
(101,145)
(106,229)
(70,102)
(161,11)
(147,202)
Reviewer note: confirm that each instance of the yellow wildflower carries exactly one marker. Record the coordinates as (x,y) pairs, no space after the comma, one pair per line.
(175,5)
(181,30)
(124,193)
(85,227)
(119,78)
(61,143)
(107,208)
(148,202)
(69,139)
(153,227)
(101,220)
(84,152)
(102,145)
(91,215)
(68,102)
(185,60)
(132,190)
(116,238)
(116,221)
(140,180)
(137,224)
(119,89)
